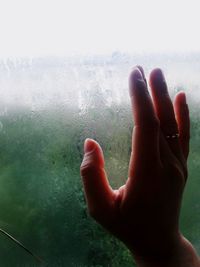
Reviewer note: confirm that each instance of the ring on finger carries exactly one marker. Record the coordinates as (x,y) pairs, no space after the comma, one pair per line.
(172,136)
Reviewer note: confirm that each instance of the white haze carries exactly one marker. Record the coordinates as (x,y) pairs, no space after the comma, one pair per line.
(55,27)
(47,48)
(78,81)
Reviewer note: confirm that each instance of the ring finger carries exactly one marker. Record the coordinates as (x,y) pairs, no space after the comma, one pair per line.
(165,111)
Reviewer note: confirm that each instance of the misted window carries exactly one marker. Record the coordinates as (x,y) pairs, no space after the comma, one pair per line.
(64,69)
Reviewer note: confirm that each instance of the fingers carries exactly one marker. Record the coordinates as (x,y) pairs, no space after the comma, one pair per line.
(183,120)
(146,128)
(164,109)
(99,195)
(142,71)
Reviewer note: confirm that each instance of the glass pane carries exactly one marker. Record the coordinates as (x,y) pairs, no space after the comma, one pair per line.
(56,91)
(48,108)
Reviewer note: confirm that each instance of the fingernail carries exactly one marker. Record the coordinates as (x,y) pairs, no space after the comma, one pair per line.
(135,80)
(89,145)
(136,75)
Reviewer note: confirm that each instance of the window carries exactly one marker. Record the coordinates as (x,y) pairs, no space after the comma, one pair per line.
(63,77)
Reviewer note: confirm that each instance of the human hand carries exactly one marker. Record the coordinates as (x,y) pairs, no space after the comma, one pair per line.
(144,213)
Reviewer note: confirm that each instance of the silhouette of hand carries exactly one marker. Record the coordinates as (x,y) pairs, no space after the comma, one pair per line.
(144,213)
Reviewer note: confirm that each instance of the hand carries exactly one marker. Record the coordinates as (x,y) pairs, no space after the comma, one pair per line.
(144,213)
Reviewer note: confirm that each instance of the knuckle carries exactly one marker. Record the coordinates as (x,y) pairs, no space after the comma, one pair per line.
(87,168)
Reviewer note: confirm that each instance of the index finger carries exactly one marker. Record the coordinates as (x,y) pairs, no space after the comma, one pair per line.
(145,141)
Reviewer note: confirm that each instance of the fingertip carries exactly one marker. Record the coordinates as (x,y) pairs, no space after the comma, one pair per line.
(92,153)
(135,79)
(135,74)
(143,74)
(156,75)
(180,98)
(156,71)
(89,145)
(180,104)
(141,69)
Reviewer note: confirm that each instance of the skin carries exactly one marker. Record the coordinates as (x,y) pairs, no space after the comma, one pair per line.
(144,213)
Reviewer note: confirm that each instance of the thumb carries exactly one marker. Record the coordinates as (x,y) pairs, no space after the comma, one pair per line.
(99,195)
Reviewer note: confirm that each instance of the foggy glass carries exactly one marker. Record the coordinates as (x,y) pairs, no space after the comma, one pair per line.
(48,106)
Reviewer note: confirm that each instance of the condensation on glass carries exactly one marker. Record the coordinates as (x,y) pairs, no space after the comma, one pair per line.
(48,106)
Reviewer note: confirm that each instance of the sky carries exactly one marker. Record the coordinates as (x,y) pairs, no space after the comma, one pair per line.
(58,28)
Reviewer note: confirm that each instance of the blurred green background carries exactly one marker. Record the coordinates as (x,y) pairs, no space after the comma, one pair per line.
(41,147)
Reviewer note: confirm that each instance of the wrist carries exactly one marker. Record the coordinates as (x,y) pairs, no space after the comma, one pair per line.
(180,254)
